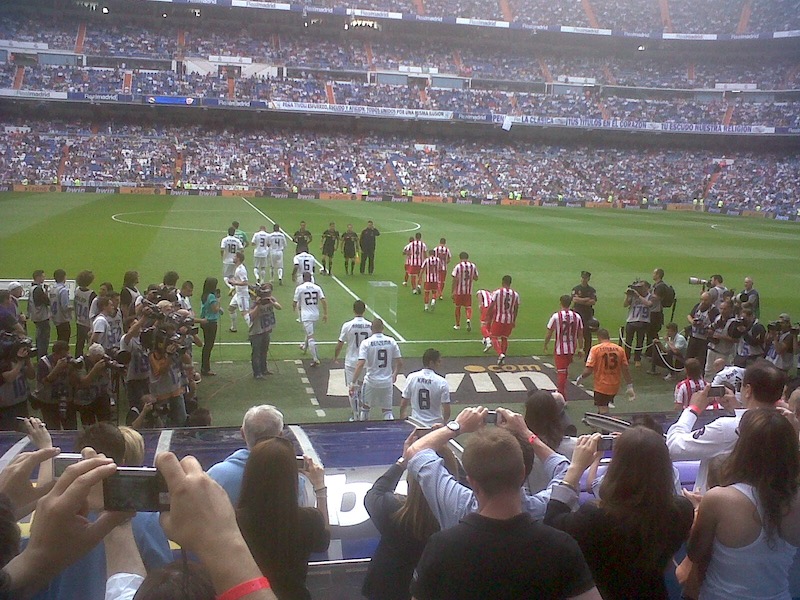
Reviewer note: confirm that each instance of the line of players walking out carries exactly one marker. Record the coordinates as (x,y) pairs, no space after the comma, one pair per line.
(427,270)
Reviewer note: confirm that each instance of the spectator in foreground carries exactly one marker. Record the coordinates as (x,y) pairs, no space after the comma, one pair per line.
(280,534)
(747,531)
(630,535)
(449,499)
(259,423)
(762,386)
(545,416)
(405,524)
(500,551)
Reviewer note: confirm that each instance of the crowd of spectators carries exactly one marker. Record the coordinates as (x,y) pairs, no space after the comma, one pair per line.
(472,101)
(487,62)
(283,159)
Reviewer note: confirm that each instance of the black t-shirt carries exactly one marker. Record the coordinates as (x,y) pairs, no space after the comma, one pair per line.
(517,559)
(368,239)
(350,239)
(302,237)
(329,239)
(584,291)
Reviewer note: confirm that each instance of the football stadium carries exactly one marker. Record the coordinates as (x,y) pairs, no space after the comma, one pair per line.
(258,233)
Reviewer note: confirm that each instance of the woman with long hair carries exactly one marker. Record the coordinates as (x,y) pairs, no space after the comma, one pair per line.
(544,416)
(209,320)
(405,524)
(280,534)
(629,536)
(748,529)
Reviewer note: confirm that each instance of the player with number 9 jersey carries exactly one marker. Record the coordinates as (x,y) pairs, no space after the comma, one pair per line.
(380,360)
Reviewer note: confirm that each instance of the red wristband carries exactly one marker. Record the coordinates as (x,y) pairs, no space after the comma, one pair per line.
(694,410)
(533,438)
(245,588)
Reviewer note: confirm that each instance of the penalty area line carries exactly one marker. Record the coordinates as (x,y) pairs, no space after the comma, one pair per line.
(386,324)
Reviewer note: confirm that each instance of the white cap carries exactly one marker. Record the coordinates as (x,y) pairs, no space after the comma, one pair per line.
(14,285)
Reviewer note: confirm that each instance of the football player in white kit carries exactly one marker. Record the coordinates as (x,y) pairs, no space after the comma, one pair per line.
(427,392)
(304,262)
(228,248)
(241,299)
(307,298)
(380,360)
(277,244)
(260,244)
(354,331)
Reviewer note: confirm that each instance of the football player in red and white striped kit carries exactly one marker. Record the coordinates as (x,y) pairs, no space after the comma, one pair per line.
(503,317)
(444,256)
(407,254)
(568,328)
(484,302)
(694,382)
(430,272)
(417,251)
(464,273)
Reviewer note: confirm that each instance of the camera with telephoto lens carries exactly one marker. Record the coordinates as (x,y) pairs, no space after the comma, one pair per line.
(773,326)
(698,281)
(737,328)
(13,347)
(637,287)
(150,310)
(184,323)
(262,293)
(117,359)
(75,362)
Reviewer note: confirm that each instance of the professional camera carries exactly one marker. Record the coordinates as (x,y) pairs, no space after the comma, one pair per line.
(262,293)
(117,359)
(698,281)
(737,328)
(13,347)
(184,324)
(637,287)
(774,326)
(75,362)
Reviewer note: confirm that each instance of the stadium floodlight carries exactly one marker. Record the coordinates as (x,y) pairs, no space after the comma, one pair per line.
(105,10)
(164,15)
(642,48)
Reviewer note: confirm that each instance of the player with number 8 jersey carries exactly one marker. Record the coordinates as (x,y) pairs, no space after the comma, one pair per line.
(380,360)
(427,393)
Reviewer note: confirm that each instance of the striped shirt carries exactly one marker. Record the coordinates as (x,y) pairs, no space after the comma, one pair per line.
(506,303)
(417,250)
(442,252)
(464,273)
(431,268)
(568,327)
(484,298)
(685,389)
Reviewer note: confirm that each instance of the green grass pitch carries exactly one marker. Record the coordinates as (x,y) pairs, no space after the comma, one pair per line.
(544,249)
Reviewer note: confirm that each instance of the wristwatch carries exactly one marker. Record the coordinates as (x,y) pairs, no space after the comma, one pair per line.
(454,426)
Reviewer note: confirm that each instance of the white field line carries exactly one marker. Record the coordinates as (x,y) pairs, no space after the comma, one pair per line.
(428,342)
(386,324)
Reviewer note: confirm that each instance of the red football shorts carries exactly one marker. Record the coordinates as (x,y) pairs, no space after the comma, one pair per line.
(414,269)
(563,361)
(500,330)
(431,286)
(463,300)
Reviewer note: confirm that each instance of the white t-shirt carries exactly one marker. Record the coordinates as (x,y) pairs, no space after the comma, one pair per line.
(241,274)
(353,333)
(260,243)
(230,246)
(308,296)
(732,376)
(277,241)
(102,325)
(304,263)
(426,390)
(379,352)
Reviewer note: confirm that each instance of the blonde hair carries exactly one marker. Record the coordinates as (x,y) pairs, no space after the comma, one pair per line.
(134,447)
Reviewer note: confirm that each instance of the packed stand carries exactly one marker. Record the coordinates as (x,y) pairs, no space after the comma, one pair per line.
(468,9)
(626,15)
(665,111)
(130,40)
(769,183)
(542,12)
(41,31)
(774,16)
(709,16)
